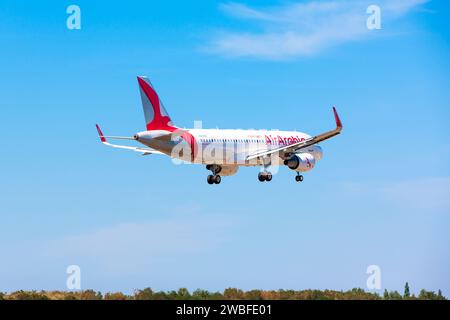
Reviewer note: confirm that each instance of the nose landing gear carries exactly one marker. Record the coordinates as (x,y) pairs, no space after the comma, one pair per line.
(299,177)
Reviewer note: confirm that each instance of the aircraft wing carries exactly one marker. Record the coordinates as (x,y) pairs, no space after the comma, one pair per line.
(288,149)
(143,150)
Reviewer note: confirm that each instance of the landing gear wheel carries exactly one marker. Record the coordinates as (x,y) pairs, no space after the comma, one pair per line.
(299,178)
(214,178)
(261,177)
(264,176)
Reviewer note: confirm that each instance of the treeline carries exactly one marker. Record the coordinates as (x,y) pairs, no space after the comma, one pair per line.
(227,294)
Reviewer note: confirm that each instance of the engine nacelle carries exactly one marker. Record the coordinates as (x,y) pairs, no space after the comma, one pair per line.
(301,162)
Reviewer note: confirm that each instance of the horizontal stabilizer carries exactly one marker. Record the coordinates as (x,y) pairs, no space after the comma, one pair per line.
(144,151)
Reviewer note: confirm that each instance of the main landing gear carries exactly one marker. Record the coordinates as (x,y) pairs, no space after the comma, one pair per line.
(264,176)
(214,178)
(299,177)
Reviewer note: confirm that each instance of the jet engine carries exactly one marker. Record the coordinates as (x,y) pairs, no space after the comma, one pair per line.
(301,162)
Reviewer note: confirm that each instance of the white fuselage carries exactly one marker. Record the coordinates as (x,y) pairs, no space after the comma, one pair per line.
(223,146)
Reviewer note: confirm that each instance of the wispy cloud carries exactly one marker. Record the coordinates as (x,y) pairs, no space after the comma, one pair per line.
(301,29)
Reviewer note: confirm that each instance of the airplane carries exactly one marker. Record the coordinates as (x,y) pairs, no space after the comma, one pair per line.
(222,151)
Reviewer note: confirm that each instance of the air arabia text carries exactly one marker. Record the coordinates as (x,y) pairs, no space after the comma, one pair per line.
(279,140)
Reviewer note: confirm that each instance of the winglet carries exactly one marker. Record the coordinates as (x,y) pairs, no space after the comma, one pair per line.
(336,117)
(100,133)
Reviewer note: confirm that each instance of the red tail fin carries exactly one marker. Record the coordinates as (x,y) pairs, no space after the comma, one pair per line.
(156,116)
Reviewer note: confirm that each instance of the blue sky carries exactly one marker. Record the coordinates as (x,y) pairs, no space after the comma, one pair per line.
(380,195)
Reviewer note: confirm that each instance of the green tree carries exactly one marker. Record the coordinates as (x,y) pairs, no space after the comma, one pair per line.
(90,295)
(70,296)
(144,294)
(115,296)
(430,295)
(29,295)
(394,295)
(161,295)
(200,294)
(440,296)
(290,294)
(253,295)
(406,293)
(233,294)
(183,294)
